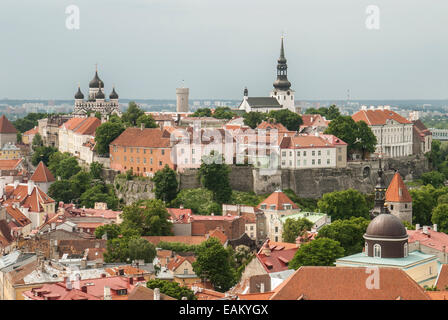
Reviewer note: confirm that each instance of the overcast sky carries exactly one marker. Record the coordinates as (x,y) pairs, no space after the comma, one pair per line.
(147,47)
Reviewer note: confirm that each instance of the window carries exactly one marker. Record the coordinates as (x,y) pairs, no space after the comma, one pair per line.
(318,161)
(304,153)
(125,159)
(405,249)
(377,251)
(185,271)
(298,153)
(328,152)
(160,163)
(132,159)
(290,153)
(251,228)
(136,150)
(192,151)
(144,151)
(313,153)
(391,207)
(283,153)
(144,160)
(272,207)
(313,162)
(124,149)
(276,229)
(318,153)
(366,248)
(328,161)
(131,150)
(163,152)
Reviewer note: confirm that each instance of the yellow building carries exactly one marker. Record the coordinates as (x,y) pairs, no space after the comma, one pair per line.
(10,151)
(182,269)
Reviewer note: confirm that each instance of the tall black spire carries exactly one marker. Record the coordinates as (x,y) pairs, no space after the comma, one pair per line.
(380,194)
(282,82)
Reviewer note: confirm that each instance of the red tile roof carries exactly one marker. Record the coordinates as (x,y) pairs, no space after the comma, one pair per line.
(82,126)
(196,217)
(277,259)
(378,117)
(6,126)
(148,137)
(397,191)
(271,126)
(442,279)
(219,235)
(278,199)
(256,296)
(316,120)
(179,215)
(42,174)
(10,164)
(438,295)
(34,201)
(348,283)
(57,291)
(31,131)
(435,240)
(144,293)
(182,239)
(18,216)
(176,262)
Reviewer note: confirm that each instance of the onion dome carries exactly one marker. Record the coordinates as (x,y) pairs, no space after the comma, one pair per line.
(79,95)
(96,81)
(113,94)
(386,226)
(100,94)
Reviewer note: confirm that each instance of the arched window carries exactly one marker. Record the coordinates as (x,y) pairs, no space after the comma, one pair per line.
(366,248)
(377,251)
(405,249)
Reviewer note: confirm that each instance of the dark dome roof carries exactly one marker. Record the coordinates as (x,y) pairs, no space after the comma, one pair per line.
(386,225)
(100,95)
(113,94)
(79,94)
(282,84)
(95,83)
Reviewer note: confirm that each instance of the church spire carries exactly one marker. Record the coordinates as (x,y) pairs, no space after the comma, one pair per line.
(380,194)
(282,82)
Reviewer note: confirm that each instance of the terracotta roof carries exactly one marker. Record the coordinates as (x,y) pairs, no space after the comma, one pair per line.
(127,270)
(397,191)
(6,126)
(34,201)
(309,141)
(179,215)
(58,291)
(314,120)
(442,279)
(18,216)
(176,262)
(207,294)
(196,217)
(348,283)
(182,239)
(42,174)
(216,233)
(10,164)
(278,199)
(278,257)
(256,296)
(271,126)
(438,295)
(136,137)
(421,128)
(378,117)
(82,126)
(144,293)
(31,131)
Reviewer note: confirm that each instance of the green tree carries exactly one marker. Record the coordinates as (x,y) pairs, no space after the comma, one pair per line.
(214,263)
(202,112)
(55,160)
(424,200)
(99,193)
(319,252)
(68,168)
(214,175)
(366,140)
(105,134)
(96,168)
(147,120)
(42,154)
(37,141)
(19,137)
(149,218)
(166,186)
(294,228)
(289,119)
(112,230)
(344,204)
(440,217)
(132,114)
(199,200)
(332,112)
(349,233)
(61,190)
(253,118)
(434,178)
(172,289)
(345,128)
(80,182)
(246,198)
(141,249)
(223,113)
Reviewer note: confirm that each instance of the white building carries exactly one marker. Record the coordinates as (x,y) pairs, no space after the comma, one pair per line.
(312,151)
(394,133)
(281,97)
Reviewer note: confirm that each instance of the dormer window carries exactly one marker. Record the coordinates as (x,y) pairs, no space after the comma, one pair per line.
(272,207)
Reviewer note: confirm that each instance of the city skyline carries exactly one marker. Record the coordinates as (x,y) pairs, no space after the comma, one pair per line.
(218,49)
